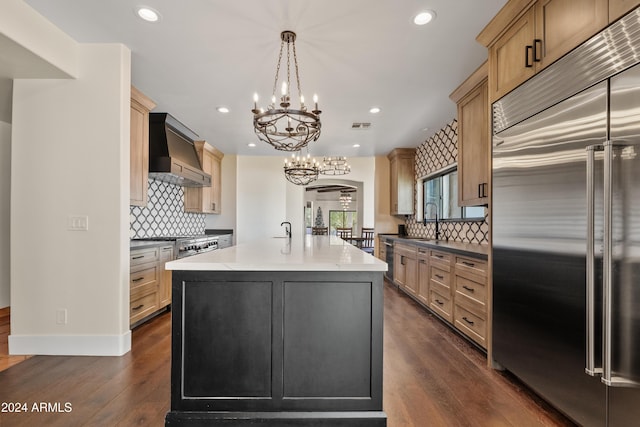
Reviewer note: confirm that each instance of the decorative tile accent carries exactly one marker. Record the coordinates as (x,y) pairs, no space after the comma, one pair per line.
(164,214)
(438,152)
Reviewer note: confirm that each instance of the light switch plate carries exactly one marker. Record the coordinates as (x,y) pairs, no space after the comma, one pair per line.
(78,223)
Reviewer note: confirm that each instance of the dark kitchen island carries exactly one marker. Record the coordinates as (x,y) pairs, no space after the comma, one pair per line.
(279,332)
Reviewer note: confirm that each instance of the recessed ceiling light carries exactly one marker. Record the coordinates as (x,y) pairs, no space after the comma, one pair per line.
(356,145)
(251,144)
(148,14)
(374,110)
(424,17)
(223,110)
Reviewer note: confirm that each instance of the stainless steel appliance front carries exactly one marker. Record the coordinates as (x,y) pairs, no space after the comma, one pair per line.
(566,211)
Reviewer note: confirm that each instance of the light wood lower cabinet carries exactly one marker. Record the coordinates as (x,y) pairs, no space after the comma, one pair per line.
(149,281)
(440,283)
(143,283)
(405,268)
(450,285)
(470,311)
(423,275)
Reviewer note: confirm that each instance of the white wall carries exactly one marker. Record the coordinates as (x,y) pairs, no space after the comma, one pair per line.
(70,156)
(261,198)
(5,203)
(265,198)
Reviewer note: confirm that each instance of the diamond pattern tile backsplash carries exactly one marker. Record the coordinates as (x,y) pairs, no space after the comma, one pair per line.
(164,214)
(438,152)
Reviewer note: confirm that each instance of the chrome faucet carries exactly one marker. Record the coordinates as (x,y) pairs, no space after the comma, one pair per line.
(424,221)
(287,229)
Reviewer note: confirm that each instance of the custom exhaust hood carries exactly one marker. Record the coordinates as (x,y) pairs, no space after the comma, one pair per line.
(172,155)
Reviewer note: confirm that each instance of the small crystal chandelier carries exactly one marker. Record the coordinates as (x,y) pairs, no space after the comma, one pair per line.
(301,170)
(345,200)
(335,166)
(285,128)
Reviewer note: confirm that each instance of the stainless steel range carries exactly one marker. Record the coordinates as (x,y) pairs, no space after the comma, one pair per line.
(185,246)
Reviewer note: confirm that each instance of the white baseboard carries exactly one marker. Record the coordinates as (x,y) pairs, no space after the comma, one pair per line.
(70,345)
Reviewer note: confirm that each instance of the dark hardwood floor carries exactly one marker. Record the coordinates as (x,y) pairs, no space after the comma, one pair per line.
(432,377)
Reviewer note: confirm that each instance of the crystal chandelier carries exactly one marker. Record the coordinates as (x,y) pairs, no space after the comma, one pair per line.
(335,166)
(301,170)
(345,200)
(285,128)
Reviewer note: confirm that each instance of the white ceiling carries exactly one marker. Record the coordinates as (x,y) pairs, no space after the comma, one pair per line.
(354,54)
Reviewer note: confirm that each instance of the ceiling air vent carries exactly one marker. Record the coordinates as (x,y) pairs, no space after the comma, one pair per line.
(360,125)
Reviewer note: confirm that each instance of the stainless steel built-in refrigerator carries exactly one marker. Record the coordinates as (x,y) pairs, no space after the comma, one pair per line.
(566,230)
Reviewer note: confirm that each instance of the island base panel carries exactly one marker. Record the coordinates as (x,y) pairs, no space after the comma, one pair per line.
(275,419)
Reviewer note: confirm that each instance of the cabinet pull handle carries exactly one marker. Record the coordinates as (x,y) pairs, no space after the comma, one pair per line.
(468,288)
(438,302)
(479,190)
(138,257)
(438,256)
(138,279)
(138,307)
(439,276)
(536,50)
(468,264)
(401,259)
(422,261)
(467,320)
(527,49)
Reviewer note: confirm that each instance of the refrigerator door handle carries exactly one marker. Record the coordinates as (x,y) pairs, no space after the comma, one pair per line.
(608,377)
(590,362)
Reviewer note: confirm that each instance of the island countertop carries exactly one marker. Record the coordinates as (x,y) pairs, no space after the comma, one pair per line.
(304,253)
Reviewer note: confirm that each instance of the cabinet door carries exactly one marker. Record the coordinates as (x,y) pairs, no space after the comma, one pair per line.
(562,25)
(473,148)
(402,180)
(206,199)
(398,269)
(618,8)
(139,147)
(164,288)
(411,275)
(423,279)
(216,180)
(511,57)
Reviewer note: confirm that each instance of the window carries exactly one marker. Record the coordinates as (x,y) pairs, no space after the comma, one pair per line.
(342,219)
(440,195)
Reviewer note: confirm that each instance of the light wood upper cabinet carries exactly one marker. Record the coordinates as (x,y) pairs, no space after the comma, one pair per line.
(525,37)
(617,8)
(473,139)
(206,199)
(139,146)
(511,56)
(562,25)
(402,180)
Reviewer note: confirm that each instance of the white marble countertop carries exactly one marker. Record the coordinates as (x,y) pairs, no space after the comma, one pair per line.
(304,253)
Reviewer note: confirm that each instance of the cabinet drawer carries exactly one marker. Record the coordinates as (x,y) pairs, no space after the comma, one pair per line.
(472,290)
(143,256)
(439,303)
(439,257)
(166,254)
(471,325)
(408,251)
(143,277)
(144,304)
(440,276)
(470,265)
